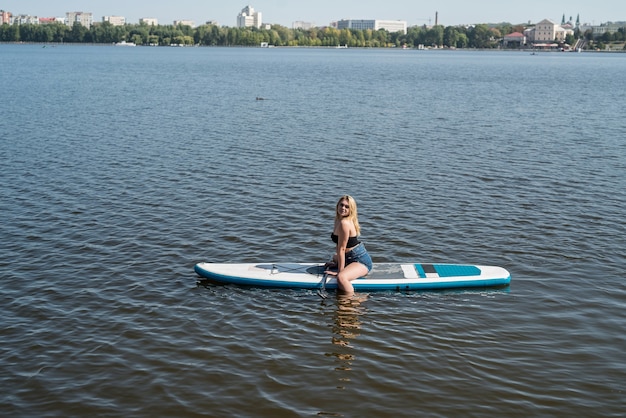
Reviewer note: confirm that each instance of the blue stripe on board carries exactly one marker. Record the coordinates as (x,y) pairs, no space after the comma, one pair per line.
(420,271)
(449,270)
(453,270)
(504,281)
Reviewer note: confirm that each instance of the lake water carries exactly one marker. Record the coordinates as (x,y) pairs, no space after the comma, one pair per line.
(123,167)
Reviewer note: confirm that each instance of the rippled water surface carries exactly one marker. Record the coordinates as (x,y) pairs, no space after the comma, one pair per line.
(123,167)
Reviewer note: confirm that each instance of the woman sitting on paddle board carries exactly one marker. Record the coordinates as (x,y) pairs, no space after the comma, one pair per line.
(351,259)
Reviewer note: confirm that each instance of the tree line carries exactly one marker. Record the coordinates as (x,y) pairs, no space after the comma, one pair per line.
(478,36)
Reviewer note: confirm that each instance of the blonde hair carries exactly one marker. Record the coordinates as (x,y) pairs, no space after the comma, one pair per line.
(353,216)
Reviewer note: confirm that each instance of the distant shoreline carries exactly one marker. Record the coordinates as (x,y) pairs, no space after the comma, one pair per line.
(531,50)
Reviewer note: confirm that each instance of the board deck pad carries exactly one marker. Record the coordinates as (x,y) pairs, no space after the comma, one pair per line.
(446,270)
(395,271)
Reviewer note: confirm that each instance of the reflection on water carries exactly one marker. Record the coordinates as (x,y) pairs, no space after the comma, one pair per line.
(346,327)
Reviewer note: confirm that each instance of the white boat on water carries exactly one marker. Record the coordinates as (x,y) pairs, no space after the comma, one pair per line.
(124,43)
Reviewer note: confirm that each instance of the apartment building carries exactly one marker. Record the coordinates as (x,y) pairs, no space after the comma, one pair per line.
(248,17)
(83,18)
(114,20)
(150,21)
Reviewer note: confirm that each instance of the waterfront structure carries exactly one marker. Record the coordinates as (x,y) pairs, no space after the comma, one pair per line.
(83,18)
(248,17)
(150,21)
(373,24)
(547,31)
(114,20)
(514,40)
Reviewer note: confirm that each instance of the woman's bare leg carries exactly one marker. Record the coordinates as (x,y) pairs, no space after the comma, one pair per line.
(350,272)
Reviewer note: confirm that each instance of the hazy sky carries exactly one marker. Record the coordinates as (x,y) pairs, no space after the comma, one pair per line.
(322,12)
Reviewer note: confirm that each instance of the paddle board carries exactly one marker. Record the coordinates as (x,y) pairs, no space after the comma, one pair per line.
(384,276)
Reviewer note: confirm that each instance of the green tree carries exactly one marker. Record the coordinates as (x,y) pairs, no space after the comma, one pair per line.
(396,38)
(78,33)
(46,34)
(345,37)
(60,32)
(27,33)
(106,33)
(414,36)
(232,37)
(480,36)
(12,33)
(138,33)
(330,36)
(200,34)
(450,36)
(434,36)
(137,39)
(285,35)
(379,38)
(462,41)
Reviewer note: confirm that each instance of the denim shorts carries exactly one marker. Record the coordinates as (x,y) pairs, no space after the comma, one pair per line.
(359,255)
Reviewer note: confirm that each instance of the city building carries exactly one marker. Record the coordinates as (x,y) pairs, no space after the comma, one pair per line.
(185,22)
(601,29)
(114,20)
(547,31)
(150,21)
(249,18)
(298,24)
(373,24)
(50,20)
(25,20)
(5,17)
(83,18)
(514,40)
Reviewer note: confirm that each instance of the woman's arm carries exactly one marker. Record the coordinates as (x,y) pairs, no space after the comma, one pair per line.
(342,243)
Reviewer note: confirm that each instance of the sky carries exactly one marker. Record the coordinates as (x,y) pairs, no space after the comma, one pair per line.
(322,12)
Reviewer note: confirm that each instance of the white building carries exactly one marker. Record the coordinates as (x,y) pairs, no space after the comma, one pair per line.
(150,21)
(547,31)
(298,24)
(249,18)
(601,29)
(25,20)
(373,24)
(185,22)
(85,19)
(114,20)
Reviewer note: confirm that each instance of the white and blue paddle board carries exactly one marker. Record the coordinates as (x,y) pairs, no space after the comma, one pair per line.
(384,276)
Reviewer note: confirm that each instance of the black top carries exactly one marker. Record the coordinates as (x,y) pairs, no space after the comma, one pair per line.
(352,241)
